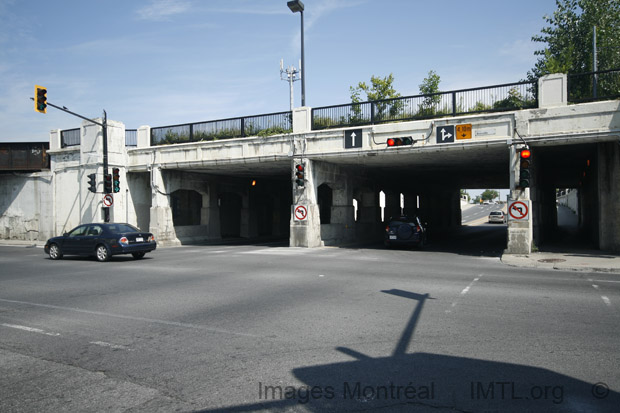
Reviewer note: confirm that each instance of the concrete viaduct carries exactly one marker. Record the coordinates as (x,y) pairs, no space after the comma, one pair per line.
(245,187)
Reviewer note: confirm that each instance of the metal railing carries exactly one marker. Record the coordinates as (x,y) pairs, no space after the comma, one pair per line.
(509,96)
(592,86)
(131,137)
(70,137)
(259,125)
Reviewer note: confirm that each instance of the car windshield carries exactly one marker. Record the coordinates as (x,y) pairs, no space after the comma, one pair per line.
(121,228)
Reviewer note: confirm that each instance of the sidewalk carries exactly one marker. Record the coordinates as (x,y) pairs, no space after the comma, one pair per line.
(579,260)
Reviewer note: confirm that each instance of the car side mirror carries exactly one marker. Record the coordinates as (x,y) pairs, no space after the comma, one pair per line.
(66,234)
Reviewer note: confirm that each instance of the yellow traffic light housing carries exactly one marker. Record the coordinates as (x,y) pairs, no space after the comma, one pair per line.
(40,99)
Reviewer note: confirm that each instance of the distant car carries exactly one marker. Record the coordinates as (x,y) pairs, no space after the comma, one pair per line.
(497,216)
(101,241)
(486,202)
(405,231)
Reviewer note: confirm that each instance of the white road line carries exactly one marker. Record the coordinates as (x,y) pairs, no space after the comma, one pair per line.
(606,300)
(110,345)
(132,318)
(30,329)
(465,291)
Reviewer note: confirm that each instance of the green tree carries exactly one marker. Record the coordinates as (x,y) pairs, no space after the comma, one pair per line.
(430,87)
(379,90)
(489,195)
(568,37)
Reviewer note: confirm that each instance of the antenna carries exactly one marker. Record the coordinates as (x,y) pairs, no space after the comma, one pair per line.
(292,74)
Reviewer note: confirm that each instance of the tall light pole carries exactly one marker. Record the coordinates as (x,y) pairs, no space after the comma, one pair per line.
(298,6)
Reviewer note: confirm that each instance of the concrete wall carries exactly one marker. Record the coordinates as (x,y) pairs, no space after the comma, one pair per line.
(26,206)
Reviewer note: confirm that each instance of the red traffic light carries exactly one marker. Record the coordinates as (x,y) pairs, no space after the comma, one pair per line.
(400,141)
(526,154)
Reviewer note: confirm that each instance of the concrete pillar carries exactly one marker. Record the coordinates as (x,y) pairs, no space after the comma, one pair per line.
(161,224)
(302,118)
(520,233)
(305,232)
(552,90)
(342,214)
(144,137)
(210,213)
(392,204)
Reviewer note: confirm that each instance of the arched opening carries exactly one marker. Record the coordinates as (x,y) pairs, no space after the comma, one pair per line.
(325,203)
(186,206)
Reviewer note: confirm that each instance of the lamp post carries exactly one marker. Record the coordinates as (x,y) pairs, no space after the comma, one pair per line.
(298,6)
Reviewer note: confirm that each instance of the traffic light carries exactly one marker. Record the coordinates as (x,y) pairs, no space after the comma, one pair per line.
(107,183)
(116,180)
(40,99)
(92,182)
(399,141)
(299,174)
(524,168)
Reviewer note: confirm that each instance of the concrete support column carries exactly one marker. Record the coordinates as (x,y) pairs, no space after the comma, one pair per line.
(210,213)
(411,203)
(144,137)
(609,192)
(161,224)
(342,215)
(305,232)
(392,204)
(520,233)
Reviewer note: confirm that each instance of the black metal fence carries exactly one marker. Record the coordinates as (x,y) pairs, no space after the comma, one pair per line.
(70,137)
(510,96)
(259,125)
(592,86)
(131,137)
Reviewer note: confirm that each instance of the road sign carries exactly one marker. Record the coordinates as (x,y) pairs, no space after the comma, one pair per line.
(463,131)
(353,138)
(301,213)
(445,134)
(108,200)
(518,210)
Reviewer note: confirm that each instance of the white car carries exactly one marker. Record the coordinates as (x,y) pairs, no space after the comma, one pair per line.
(497,216)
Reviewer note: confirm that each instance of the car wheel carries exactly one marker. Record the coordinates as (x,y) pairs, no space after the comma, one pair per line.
(138,255)
(101,253)
(55,252)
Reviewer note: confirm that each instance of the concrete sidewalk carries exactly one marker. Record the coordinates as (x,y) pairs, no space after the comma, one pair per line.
(577,260)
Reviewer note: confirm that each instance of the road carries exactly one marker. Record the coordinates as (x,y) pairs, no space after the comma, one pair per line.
(271,328)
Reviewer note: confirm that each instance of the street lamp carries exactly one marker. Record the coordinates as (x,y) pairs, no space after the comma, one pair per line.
(298,6)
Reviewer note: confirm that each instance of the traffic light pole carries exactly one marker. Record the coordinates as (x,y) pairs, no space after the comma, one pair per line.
(104,125)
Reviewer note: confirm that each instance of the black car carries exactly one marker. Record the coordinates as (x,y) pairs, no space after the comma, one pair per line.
(405,231)
(102,241)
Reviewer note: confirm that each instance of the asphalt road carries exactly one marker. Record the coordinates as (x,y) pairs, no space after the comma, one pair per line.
(272,328)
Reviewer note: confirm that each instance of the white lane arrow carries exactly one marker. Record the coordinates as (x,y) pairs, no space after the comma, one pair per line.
(353,135)
(445,135)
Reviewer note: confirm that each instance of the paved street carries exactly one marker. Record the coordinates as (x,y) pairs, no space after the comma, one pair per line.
(267,327)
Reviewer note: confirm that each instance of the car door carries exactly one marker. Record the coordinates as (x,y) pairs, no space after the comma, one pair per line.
(73,241)
(91,238)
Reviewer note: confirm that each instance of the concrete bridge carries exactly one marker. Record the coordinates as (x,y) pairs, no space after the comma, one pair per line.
(246,187)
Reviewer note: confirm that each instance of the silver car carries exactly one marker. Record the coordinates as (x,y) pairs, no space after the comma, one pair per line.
(497,216)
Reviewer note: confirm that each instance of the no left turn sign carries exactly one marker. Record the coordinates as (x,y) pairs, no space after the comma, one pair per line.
(301,213)
(519,210)
(108,200)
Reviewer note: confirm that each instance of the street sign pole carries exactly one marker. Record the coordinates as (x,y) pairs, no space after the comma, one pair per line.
(106,211)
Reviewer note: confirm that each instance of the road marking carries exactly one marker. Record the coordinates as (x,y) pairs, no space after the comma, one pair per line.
(465,291)
(132,318)
(606,300)
(30,329)
(110,345)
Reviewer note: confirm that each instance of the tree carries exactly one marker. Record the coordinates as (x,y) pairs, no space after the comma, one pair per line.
(430,88)
(379,90)
(568,38)
(489,195)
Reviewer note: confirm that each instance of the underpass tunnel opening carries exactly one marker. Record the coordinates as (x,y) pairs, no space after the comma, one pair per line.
(186,206)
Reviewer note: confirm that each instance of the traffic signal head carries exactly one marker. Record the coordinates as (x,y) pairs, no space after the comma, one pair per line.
(40,99)
(116,180)
(92,182)
(399,141)
(299,174)
(107,183)
(524,168)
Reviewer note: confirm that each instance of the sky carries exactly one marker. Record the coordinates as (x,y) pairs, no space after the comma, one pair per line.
(166,62)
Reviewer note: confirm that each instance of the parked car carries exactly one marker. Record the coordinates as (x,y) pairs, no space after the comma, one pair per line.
(497,216)
(405,231)
(101,241)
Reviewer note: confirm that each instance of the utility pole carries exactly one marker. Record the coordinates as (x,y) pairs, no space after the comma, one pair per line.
(594,65)
(292,74)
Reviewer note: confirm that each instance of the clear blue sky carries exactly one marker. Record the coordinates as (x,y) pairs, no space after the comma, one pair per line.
(163,62)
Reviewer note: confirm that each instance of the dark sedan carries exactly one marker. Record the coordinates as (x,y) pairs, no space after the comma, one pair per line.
(102,241)
(405,231)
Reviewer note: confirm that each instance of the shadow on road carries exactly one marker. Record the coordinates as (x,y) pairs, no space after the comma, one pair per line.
(427,382)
